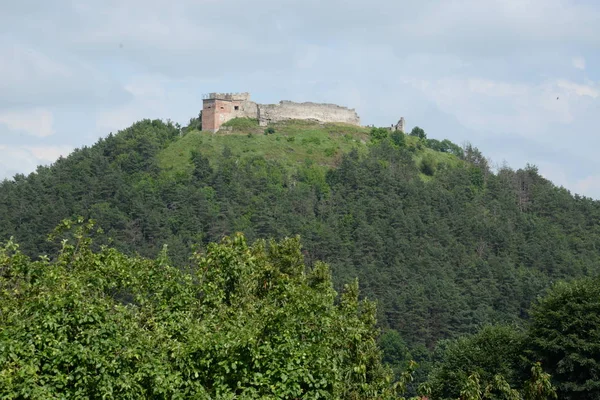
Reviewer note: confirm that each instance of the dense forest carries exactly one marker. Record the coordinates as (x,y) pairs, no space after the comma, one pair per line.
(454,254)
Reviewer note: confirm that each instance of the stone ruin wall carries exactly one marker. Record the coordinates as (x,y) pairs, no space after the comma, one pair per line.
(286,110)
(219,108)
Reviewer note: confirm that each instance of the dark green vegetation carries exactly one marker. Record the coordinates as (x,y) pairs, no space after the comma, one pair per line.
(565,336)
(443,244)
(242,322)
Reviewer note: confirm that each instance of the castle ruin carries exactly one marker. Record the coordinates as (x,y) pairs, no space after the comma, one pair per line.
(399,127)
(219,108)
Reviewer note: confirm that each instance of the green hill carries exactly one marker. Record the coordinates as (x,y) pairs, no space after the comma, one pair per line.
(442,242)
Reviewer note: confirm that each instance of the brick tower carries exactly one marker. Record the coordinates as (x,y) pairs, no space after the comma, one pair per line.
(218,108)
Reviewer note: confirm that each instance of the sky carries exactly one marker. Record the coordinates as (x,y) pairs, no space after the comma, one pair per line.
(519,79)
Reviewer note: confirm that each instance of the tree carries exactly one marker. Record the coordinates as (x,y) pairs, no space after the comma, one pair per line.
(494,350)
(202,168)
(245,322)
(418,132)
(565,337)
(398,138)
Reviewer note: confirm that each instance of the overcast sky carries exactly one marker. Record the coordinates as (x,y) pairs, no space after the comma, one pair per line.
(520,79)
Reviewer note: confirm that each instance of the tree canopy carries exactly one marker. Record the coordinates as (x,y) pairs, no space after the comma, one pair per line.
(565,337)
(244,322)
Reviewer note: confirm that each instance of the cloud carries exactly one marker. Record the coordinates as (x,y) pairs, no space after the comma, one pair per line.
(49,153)
(33,78)
(526,108)
(579,89)
(579,63)
(15,160)
(151,96)
(589,185)
(187,38)
(25,159)
(35,122)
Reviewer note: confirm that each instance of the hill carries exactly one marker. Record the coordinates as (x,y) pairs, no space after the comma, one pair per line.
(443,243)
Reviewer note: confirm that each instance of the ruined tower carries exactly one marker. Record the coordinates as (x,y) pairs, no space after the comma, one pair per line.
(400,125)
(218,108)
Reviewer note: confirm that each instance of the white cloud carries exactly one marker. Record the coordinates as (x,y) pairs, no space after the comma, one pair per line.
(14,160)
(36,122)
(579,63)
(148,100)
(579,89)
(49,153)
(152,96)
(25,159)
(589,185)
(529,109)
(30,77)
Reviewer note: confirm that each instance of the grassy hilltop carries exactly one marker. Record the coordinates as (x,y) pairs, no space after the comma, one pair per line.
(291,143)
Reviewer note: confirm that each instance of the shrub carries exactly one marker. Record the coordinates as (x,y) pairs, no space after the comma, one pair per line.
(241,124)
(428,165)
(330,152)
(378,134)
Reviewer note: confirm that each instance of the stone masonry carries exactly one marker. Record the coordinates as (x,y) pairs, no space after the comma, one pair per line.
(219,108)
(399,126)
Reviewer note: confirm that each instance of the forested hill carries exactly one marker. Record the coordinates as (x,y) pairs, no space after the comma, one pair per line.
(443,243)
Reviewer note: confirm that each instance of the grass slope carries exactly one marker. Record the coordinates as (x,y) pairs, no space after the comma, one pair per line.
(292,143)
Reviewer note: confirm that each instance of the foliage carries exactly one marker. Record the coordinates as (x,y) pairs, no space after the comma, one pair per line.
(241,124)
(418,132)
(202,169)
(398,138)
(539,387)
(194,124)
(445,146)
(565,337)
(493,351)
(428,165)
(378,134)
(270,130)
(395,350)
(244,321)
(442,255)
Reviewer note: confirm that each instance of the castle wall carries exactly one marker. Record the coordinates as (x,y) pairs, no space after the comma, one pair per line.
(215,112)
(219,108)
(285,110)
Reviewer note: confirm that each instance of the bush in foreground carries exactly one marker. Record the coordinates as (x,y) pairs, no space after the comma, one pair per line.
(245,322)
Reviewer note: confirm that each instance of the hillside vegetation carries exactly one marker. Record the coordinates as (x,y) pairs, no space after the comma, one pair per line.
(441,242)
(291,144)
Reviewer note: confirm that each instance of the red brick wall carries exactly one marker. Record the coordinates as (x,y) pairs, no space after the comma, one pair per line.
(217,112)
